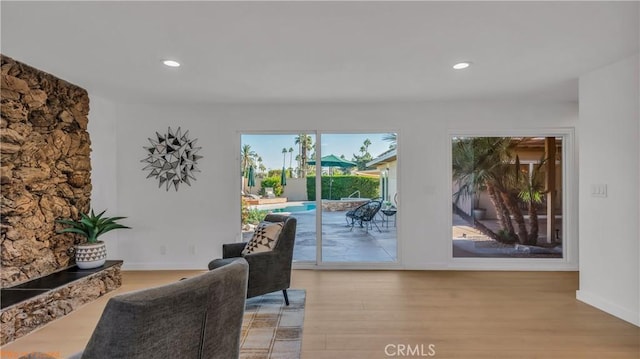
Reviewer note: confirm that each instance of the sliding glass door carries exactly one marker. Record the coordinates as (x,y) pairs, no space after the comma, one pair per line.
(343,193)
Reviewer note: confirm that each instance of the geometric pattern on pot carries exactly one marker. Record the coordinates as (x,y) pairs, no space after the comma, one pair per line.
(172,158)
(91,254)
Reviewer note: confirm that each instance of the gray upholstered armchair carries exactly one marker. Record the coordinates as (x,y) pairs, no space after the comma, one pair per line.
(199,317)
(268,271)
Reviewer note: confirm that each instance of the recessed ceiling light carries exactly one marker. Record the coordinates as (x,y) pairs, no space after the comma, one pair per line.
(461,65)
(171,63)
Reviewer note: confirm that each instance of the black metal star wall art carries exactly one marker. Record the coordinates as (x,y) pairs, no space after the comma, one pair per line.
(172,158)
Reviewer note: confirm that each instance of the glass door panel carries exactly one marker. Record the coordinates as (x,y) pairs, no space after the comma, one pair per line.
(359,197)
(275,179)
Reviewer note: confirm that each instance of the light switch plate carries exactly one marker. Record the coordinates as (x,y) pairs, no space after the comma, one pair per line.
(599,190)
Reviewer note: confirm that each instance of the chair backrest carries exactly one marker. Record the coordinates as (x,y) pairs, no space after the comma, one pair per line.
(287,236)
(286,239)
(367,211)
(199,317)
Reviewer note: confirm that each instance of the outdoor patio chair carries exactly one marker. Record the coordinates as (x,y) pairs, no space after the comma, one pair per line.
(250,196)
(268,192)
(364,215)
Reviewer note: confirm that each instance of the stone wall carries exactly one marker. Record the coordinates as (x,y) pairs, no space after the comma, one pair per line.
(342,205)
(45,169)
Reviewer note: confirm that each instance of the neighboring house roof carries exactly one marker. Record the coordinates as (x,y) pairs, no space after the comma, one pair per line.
(385,157)
(368,173)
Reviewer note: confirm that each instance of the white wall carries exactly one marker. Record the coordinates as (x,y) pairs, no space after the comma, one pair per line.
(609,153)
(102,130)
(193,223)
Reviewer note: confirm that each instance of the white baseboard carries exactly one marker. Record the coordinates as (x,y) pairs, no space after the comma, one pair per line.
(608,307)
(512,264)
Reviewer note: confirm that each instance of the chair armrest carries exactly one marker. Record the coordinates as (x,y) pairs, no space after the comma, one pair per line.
(268,272)
(220,262)
(264,263)
(261,263)
(260,255)
(231,250)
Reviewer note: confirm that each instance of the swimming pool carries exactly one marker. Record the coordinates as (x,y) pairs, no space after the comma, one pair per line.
(305,206)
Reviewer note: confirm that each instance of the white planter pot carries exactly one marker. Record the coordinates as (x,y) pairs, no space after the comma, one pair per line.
(91,255)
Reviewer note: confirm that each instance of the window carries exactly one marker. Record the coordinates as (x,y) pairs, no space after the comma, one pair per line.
(507,197)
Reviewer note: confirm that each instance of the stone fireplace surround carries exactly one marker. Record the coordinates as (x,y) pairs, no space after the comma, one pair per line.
(45,170)
(45,175)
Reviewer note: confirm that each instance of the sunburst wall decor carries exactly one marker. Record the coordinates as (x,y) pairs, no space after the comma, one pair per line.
(172,158)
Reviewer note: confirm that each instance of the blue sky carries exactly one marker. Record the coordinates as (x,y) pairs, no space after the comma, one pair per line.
(269,146)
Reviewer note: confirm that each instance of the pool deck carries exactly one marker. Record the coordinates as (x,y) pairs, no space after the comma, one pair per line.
(265,201)
(280,204)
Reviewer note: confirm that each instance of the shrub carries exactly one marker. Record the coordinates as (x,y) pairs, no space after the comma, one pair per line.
(505,237)
(273,182)
(251,215)
(244,211)
(256,216)
(343,186)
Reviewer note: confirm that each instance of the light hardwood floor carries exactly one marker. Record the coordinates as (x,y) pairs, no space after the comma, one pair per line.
(450,314)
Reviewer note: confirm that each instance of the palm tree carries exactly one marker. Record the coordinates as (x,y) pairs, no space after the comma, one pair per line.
(532,191)
(290,160)
(367,143)
(313,154)
(473,169)
(485,163)
(298,158)
(247,157)
(365,156)
(304,143)
(392,138)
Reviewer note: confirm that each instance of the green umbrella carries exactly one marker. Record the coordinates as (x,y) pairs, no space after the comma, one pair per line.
(333,161)
(283,177)
(251,178)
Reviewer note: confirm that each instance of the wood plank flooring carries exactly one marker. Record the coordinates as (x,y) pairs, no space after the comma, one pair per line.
(440,314)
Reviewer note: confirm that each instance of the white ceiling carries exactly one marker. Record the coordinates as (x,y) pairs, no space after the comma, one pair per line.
(320,51)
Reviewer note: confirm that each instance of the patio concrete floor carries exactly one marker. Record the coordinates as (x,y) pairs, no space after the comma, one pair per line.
(469,242)
(342,244)
(339,242)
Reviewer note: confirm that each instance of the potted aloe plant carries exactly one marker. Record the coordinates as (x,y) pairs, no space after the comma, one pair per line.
(92,253)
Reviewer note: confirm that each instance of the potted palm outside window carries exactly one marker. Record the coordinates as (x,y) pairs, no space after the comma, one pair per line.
(92,253)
